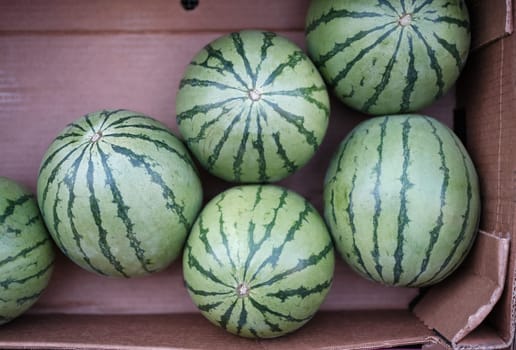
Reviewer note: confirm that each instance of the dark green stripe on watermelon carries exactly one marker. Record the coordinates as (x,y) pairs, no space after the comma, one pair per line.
(102,233)
(48,160)
(258,144)
(223,234)
(297,121)
(267,42)
(335,14)
(29,298)
(142,161)
(13,204)
(293,59)
(207,83)
(467,215)
(277,251)
(436,230)
(24,252)
(69,182)
(227,66)
(239,46)
(434,63)
(344,72)
(338,47)
(301,292)
(351,218)
(411,77)
(306,93)
(239,158)
(6,283)
(287,163)
(212,159)
(377,199)
(122,210)
(403,217)
(189,114)
(423,5)
(194,263)
(386,76)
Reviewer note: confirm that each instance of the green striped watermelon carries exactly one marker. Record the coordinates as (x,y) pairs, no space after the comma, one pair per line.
(259,261)
(119,193)
(26,251)
(388,56)
(252,107)
(401,198)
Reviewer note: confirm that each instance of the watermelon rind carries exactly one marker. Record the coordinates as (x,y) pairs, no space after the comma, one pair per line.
(389,56)
(401,198)
(119,192)
(26,251)
(252,107)
(259,261)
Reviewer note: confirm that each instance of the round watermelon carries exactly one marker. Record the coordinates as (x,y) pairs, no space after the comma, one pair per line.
(119,193)
(252,107)
(26,251)
(401,198)
(390,56)
(259,261)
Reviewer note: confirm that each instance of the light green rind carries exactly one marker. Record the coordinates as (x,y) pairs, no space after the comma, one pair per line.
(121,205)
(272,240)
(244,140)
(374,64)
(403,205)
(26,251)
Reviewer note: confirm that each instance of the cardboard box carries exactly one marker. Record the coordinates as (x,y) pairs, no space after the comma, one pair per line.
(62,59)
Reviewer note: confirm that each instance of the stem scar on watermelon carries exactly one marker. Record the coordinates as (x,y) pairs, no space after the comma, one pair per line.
(255,94)
(96,136)
(405,20)
(243,290)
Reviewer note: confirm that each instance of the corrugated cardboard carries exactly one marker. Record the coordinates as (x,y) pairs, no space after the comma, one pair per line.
(460,304)
(62,59)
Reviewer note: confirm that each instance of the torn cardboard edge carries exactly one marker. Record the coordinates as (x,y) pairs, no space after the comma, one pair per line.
(457,306)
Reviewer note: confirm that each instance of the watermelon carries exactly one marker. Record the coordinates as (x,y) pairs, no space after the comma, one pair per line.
(119,193)
(401,198)
(26,251)
(252,107)
(388,56)
(259,261)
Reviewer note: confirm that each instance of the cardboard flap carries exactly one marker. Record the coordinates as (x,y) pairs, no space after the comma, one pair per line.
(458,305)
(492,20)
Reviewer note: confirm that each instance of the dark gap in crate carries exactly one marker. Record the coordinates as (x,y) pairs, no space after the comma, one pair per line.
(417,298)
(459,124)
(189,4)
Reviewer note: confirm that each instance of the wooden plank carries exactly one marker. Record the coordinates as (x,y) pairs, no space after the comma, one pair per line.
(152,15)
(491,20)
(327,330)
(75,291)
(49,81)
